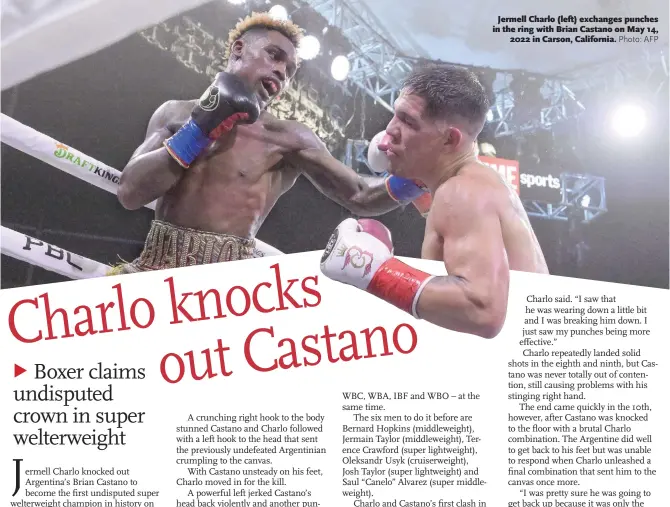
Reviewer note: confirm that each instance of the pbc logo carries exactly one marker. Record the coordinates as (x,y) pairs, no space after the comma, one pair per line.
(51,251)
(210,99)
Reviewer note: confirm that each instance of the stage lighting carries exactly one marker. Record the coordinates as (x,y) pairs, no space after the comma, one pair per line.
(487,150)
(309,47)
(629,120)
(586,200)
(340,68)
(236,2)
(489,115)
(278,12)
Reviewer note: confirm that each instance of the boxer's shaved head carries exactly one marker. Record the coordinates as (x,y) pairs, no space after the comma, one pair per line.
(450,93)
(259,22)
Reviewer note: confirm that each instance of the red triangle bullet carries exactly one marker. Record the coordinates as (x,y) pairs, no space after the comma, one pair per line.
(18,370)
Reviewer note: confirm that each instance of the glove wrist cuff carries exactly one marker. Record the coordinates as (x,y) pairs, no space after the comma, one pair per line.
(423,204)
(187,143)
(399,284)
(403,190)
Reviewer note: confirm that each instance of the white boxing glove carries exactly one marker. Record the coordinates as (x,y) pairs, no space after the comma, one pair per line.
(355,251)
(377,159)
(360,253)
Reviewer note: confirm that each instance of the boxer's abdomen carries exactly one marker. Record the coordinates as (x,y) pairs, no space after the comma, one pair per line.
(231,190)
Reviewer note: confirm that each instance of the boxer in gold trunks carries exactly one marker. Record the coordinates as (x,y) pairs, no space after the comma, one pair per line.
(217,165)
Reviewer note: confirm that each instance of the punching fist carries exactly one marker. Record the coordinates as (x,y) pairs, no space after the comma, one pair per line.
(355,252)
(401,190)
(360,253)
(227,102)
(377,159)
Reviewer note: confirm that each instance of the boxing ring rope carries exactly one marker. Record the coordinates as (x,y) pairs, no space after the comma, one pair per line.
(67,159)
(47,256)
(58,155)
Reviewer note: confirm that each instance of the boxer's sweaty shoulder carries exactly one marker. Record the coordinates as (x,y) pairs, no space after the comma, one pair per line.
(451,198)
(494,195)
(472,195)
(164,122)
(173,114)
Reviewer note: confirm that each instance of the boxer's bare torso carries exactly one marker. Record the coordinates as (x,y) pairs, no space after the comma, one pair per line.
(231,186)
(234,185)
(523,250)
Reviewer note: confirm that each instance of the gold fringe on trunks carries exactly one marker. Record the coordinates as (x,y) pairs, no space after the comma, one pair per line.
(168,246)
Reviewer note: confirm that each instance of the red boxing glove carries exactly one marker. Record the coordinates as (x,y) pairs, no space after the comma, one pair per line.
(360,253)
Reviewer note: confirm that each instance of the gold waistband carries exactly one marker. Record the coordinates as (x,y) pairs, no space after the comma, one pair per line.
(169,246)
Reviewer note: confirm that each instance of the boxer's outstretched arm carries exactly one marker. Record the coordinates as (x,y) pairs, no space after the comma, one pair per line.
(151,171)
(362,195)
(473,297)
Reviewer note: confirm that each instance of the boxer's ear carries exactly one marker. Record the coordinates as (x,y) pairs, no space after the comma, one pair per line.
(237,47)
(453,137)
